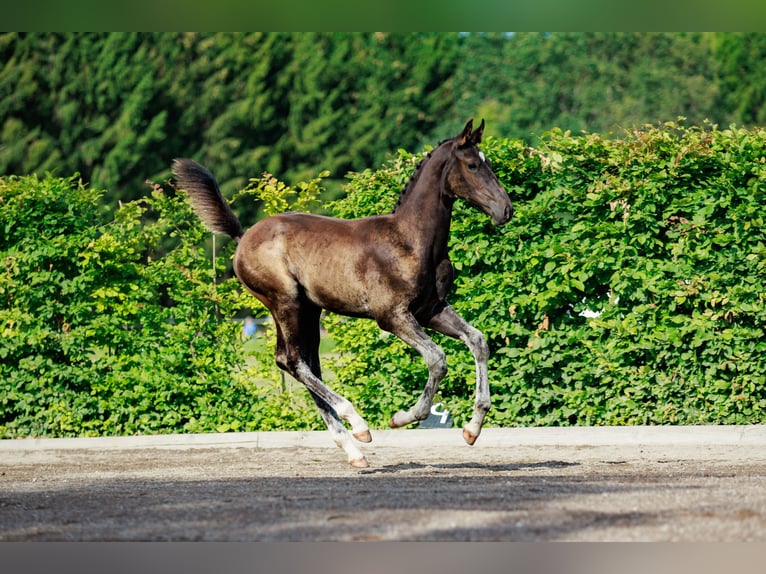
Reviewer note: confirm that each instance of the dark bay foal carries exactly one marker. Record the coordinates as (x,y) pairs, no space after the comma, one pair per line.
(392,268)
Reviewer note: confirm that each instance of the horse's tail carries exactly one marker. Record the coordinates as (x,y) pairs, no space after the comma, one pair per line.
(205,197)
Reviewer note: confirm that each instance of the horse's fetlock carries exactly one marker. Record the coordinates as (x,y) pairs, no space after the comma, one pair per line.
(344,409)
(483,406)
(421,416)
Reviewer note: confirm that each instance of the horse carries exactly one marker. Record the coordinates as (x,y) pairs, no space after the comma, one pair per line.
(393,268)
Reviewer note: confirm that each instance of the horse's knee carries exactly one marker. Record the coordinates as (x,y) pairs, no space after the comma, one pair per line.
(478,344)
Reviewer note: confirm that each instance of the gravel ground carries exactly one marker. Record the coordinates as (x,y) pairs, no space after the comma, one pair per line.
(698,484)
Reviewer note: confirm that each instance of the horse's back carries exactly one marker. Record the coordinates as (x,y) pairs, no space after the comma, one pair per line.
(323,257)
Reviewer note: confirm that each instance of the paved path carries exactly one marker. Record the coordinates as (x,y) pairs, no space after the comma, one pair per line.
(616,483)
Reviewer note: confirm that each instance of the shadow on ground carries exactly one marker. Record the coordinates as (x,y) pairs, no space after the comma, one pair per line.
(411,501)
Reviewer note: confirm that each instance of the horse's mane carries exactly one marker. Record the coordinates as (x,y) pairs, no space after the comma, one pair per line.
(416,173)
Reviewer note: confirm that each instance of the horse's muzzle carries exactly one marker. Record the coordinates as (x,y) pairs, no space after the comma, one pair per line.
(501,218)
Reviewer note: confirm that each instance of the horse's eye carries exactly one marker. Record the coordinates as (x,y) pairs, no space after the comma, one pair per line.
(473,166)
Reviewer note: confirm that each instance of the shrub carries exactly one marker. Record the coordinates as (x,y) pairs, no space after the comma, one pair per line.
(628,289)
(109,329)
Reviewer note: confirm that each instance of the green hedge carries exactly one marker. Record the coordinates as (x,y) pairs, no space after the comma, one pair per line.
(628,289)
(103,334)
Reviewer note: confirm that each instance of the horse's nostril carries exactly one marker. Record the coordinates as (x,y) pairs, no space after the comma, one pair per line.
(508,212)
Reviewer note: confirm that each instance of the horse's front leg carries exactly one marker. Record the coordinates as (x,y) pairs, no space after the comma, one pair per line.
(404,326)
(447,321)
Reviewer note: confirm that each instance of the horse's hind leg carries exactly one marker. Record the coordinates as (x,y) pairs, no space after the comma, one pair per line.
(447,321)
(309,347)
(340,434)
(298,354)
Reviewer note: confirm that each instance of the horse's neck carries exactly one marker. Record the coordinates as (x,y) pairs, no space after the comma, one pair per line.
(424,210)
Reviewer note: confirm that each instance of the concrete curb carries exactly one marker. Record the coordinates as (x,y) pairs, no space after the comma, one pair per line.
(754,435)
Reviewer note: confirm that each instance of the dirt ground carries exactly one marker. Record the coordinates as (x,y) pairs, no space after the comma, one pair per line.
(528,492)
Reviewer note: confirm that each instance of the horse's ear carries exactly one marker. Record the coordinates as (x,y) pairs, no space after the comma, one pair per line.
(465,135)
(476,136)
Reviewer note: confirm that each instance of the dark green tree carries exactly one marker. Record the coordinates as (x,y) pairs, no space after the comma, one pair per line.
(117,107)
(741,63)
(527,83)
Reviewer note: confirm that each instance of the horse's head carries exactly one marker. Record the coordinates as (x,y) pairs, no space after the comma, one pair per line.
(471,178)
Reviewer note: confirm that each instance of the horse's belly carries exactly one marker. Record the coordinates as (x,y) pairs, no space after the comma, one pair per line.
(338,292)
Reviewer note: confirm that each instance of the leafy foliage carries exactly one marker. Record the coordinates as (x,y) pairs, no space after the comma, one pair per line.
(605,81)
(628,288)
(117,107)
(742,84)
(102,335)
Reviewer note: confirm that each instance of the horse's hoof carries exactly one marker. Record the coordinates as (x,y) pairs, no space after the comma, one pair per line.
(469,437)
(363,436)
(359,463)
